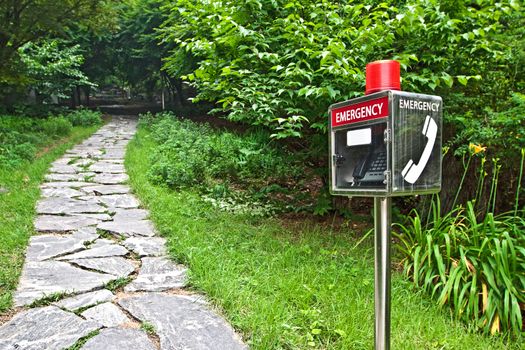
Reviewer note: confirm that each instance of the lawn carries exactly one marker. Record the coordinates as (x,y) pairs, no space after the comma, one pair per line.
(19,185)
(298,285)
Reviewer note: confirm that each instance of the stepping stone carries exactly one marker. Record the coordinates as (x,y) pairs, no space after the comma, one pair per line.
(119,339)
(124,201)
(110,179)
(107,314)
(107,167)
(114,161)
(128,228)
(112,155)
(55,223)
(69,177)
(72,184)
(85,300)
(64,192)
(106,189)
(114,265)
(158,274)
(64,169)
(44,328)
(43,278)
(100,217)
(84,152)
(130,214)
(101,242)
(84,162)
(102,251)
(183,322)
(64,161)
(44,247)
(151,246)
(55,205)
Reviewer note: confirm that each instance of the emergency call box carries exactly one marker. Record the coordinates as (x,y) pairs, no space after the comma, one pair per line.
(386,144)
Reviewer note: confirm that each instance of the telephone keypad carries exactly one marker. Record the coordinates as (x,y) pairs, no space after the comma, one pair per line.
(377,168)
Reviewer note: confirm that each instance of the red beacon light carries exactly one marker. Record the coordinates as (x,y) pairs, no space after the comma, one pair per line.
(382,75)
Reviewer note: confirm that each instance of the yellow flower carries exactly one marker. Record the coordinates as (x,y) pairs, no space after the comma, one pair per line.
(475,149)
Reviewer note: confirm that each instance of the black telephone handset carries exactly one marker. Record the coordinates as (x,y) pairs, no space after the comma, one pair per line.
(371,168)
(362,167)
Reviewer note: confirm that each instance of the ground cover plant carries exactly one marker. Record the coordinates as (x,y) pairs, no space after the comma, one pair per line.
(288,285)
(27,147)
(21,136)
(235,172)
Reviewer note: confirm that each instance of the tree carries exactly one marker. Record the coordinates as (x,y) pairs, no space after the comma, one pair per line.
(24,21)
(282,63)
(52,68)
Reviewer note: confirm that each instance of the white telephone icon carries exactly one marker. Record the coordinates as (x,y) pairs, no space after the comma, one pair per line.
(411,172)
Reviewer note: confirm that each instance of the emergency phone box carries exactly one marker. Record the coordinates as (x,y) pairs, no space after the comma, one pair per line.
(386,144)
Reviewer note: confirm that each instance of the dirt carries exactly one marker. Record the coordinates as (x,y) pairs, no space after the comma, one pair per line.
(9,314)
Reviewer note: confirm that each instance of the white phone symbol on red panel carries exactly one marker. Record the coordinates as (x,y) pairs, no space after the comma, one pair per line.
(411,172)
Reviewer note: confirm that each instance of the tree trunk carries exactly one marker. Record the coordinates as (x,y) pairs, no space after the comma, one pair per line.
(179,94)
(78,97)
(87,90)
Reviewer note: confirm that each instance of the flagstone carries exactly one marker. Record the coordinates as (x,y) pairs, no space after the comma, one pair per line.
(41,278)
(44,328)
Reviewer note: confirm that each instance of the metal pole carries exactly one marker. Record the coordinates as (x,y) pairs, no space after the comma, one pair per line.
(382,218)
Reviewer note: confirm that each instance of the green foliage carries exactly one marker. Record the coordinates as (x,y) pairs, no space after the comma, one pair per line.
(241,173)
(84,117)
(55,126)
(47,300)
(148,328)
(503,132)
(294,286)
(21,136)
(79,344)
(30,21)
(52,68)
(470,258)
(282,63)
(475,266)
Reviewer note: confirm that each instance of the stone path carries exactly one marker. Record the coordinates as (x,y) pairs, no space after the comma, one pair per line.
(96,273)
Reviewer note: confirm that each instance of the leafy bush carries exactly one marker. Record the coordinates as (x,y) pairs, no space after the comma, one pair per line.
(85,117)
(56,126)
(282,63)
(191,154)
(21,136)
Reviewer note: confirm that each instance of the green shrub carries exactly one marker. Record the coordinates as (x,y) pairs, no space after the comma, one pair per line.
(21,136)
(56,126)
(248,166)
(192,154)
(85,117)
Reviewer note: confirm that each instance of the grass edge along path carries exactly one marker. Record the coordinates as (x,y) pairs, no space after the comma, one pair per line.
(17,208)
(289,289)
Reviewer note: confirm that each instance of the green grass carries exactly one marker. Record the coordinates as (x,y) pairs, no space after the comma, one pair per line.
(288,288)
(17,209)
(117,284)
(147,327)
(82,341)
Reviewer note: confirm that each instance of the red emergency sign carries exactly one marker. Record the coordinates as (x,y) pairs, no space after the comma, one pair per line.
(359,112)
